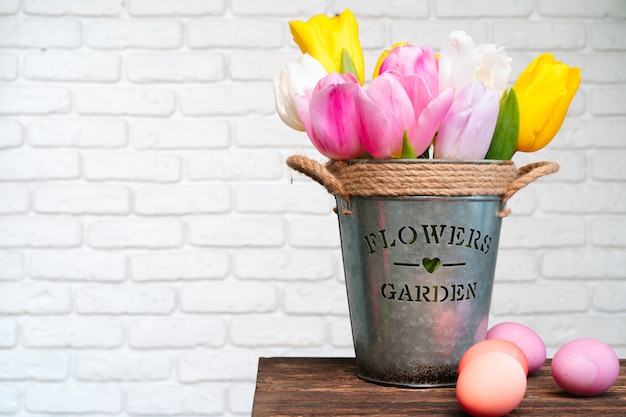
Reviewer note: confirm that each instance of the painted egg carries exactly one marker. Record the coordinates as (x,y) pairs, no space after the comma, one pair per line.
(490,385)
(525,338)
(585,367)
(494,345)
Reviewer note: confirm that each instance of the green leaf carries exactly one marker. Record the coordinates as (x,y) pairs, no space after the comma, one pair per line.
(347,65)
(506,134)
(407,148)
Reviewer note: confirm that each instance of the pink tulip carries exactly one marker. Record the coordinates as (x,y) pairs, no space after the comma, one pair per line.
(429,110)
(386,112)
(330,118)
(413,60)
(467,129)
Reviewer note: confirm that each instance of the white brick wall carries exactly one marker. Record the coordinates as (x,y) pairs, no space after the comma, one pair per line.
(153,243)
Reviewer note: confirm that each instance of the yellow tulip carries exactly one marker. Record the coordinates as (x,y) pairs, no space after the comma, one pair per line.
(384,55)
(325,39)
(544,91)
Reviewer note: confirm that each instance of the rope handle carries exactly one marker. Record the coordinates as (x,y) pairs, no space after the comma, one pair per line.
(321,174)
(526,175)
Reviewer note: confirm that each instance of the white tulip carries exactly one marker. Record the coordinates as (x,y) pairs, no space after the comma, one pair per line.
(461,61)
(299,77)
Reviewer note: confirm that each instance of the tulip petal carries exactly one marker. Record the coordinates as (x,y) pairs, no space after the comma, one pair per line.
(430,120)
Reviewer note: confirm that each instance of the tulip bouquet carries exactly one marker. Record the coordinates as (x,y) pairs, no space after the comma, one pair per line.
(454,104)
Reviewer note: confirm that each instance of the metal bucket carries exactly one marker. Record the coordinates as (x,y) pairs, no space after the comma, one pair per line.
(419,275)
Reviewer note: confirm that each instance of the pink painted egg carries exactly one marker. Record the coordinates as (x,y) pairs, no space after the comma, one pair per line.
(525,338)
(585,367)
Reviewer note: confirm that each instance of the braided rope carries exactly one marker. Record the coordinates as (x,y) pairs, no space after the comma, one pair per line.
(422,177)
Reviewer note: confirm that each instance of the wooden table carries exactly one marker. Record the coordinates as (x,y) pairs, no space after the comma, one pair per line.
(330,387)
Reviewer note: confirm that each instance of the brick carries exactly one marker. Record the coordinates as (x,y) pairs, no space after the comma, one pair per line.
(180,199)
(267,64)
(395,8)
(181,134)
(29,298)
(240,396)
(269,132)
(62,66)
(608,101)
(271,264)
(8,333)
(176,7)
(122,366)
(602,198)
(71,397)
(175,67)
(341,334)
(539,298)
(9,6)
(133,33)
(15,199)
(542,232)
(608,35)
(8,67)
(39,165)
(231,99)
(582,8)
(609,297)
(17,99)
(39,232)
(74,7)
(228,297)
(10,134)
(596,133)
(81,199)
(482,8)
(39,33)
(218,33)
(69,332)
(434,33)
(179,332)
(278,331)
(171,399)
(320,232)
(10,398)
(199,366)
(130,299)
(308,199)
(170,265)
(131,166)
(556,330)
(279,8)
(77,265)
(135,233)
(596,67)
(608,165)
(516,266)
(37,365)
(78,133)
(584,264)
(228,231)
(130,101)
(542,35)
(608,231)
(235,165)
(315,298)
(11,266)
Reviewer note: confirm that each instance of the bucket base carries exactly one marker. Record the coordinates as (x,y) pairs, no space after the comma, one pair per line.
(419,376)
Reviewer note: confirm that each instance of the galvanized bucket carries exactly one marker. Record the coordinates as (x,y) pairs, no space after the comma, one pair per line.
(419,274)
(419,268)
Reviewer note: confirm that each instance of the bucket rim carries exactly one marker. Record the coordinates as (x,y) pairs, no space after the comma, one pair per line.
(430,161)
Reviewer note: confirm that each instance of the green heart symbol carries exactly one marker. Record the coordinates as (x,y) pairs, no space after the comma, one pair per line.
(431,265)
